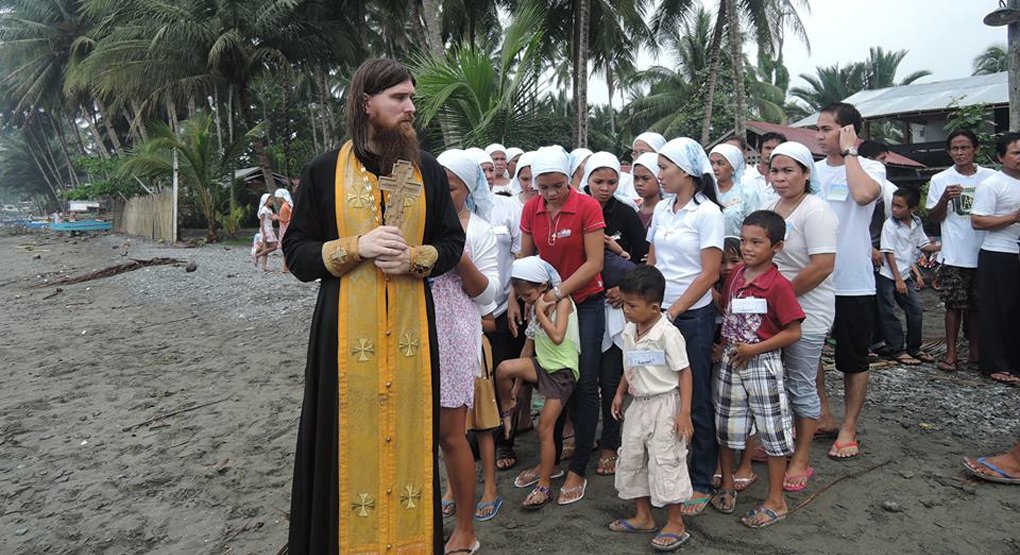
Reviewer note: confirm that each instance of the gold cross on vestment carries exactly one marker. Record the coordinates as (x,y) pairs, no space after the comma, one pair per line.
(363,349)
(402,189)
(409,344)
(363,505)
(409,496)
(360,199)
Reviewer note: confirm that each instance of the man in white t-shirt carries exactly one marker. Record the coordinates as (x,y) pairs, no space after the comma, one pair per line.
(757,176)
(996,211)
(851,185)
(950,198)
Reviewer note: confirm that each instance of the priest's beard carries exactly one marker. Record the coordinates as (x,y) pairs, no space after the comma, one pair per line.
(395,143)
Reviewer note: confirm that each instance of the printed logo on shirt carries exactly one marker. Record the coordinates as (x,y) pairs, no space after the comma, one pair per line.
(838,192)
(563,233)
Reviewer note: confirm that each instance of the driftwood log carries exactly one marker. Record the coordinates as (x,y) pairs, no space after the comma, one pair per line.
(135,264)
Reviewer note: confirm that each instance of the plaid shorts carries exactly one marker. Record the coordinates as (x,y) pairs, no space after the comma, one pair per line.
(755,395)
(957,287)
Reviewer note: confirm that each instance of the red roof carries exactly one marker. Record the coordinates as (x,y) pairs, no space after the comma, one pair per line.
(807,137)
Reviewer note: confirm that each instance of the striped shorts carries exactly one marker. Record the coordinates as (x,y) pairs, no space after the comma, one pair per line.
(754,394)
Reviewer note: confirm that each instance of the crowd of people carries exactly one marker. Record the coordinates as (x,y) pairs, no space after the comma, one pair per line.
(684,305)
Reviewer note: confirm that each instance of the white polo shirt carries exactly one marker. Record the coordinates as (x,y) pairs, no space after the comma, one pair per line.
(854,274)
(903,240)
(679,237)
(999,195)
(960,241)
(663,352)
(506,226)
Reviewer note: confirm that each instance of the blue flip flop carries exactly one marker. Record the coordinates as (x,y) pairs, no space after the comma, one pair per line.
(1002,478)
(496,505)
(677,541)
(449,508)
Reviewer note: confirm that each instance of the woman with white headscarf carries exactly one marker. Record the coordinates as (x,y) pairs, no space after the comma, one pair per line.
(566,229)
(645,172)
(461,297)
(578,157)
(286,205)
(736,200)
(625,236)
(485,161)
(500,181)
(513,154)
(807,260)
(649,141)
(686,237)
(269,241)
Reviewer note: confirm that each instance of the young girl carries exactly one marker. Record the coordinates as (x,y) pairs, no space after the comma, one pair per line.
(269,242)
(286,205)
(549,360)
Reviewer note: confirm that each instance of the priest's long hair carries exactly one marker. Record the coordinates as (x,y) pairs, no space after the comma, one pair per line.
(372,77)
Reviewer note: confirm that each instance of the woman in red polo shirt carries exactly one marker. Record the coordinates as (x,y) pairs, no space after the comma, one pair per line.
(566,229)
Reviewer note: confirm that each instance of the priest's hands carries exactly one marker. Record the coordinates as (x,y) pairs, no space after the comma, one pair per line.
(384,242)
(399,264)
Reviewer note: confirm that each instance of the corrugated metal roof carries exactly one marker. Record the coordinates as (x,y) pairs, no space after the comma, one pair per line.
(927,97)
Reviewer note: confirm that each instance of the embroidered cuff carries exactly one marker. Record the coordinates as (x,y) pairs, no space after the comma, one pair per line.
(341,255)
(423,258)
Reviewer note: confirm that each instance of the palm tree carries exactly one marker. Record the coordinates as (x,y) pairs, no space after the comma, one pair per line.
(994,59)
(204,171)
(481,99)
(831,84)
(881,68)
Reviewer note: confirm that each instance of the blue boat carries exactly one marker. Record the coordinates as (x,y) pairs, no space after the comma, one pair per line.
(82,225)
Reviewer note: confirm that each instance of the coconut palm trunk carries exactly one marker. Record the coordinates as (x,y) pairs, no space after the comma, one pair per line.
(258,143)
(736,53)
(713,72)
(581,75)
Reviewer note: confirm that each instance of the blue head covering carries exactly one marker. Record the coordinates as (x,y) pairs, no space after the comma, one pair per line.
(466,167)
(803,155)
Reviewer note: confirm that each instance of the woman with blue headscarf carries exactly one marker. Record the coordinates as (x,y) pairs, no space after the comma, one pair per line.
(686,236)
(462,296)
(736,200)
(807,260)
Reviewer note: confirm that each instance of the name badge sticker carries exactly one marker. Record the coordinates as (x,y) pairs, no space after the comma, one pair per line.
(749,305)
(646,358)
(563,234)
(838,192)
(500,230)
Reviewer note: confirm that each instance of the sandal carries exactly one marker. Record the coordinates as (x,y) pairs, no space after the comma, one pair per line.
(694,507)
(546,494)
(740,484)
(1005,378)
(569,446)
(578,490)
(946,366)
(503,454)
(494,505)
(797,482)
(622,525)
(607,466)
(974,466)
(725,501)
(923,357)
(751,519)
(675,541)
(527,478)
(507,418)
(449,508)
(906,360)
(845,451)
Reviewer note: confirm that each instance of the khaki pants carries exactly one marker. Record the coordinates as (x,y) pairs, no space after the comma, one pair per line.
(653,460)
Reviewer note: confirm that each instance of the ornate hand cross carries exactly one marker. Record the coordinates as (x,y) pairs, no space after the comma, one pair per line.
(403,189)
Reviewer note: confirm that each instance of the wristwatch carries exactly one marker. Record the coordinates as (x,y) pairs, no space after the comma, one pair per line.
(557,293)
(850,152)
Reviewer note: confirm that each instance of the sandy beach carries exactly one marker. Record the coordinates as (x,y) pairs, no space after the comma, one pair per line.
(92,460)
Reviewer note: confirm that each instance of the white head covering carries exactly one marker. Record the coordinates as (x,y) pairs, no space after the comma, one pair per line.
(535,270)
(513,152)
(480,156)
(577,157)
(649,160)
(689,155)
(600,160)
(735,158)
(549,159)
(262,205)
(285,195)
(465,166)
(524,162)
(496,147)
(803,155)
(652,139)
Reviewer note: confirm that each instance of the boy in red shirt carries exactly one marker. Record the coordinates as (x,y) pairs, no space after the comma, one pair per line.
(761,317)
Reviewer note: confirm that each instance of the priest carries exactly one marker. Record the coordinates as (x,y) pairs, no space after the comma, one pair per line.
(372,221)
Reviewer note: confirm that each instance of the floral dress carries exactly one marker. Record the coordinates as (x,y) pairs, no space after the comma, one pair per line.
(459,335)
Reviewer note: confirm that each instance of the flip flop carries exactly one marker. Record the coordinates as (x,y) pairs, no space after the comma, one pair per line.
(700,505)
(505,453)
(837,447)
(469,550)
(923,357)
(449,508)
(716,480)
(772,517)
(537,506)
(531,478)
(494,505)
(719,503)
(801,487)
(603,463)
(906,360)
(947,366)
(1002,478)
(621,525)
(1005,378)
(741,484)
(677,541)
(583,487)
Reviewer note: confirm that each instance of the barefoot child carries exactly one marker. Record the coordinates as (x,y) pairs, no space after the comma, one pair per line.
(762,316)
(550,359)
(652,469)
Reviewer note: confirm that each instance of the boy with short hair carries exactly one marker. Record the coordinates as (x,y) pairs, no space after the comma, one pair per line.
(652,465)
(762,316)
(902,235)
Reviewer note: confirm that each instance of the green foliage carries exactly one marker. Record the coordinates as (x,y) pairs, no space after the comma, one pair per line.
(107,180)
(231,220)
(975,118)
(994,59)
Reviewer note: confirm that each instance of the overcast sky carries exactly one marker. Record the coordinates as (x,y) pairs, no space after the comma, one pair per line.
(942,36)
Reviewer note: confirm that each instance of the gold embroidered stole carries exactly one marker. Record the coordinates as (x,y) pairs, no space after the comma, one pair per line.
(384,404)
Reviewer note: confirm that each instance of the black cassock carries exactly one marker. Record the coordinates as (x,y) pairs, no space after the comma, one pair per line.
(314,501)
